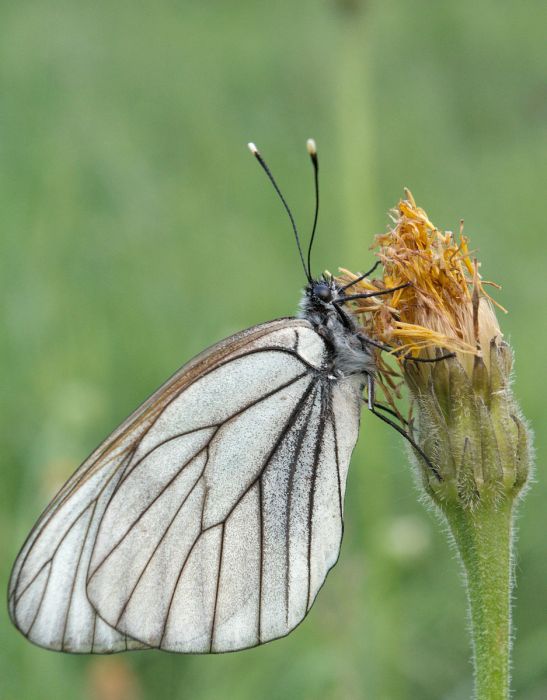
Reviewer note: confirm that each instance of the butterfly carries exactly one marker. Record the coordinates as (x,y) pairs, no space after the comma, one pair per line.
(209,519)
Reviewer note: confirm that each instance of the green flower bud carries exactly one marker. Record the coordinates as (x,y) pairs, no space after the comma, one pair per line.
(470,427)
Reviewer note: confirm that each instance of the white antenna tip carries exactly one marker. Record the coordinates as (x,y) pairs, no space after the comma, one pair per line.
(312,148)
(252,148)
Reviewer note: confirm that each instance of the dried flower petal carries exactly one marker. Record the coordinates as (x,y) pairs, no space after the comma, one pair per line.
(445,304)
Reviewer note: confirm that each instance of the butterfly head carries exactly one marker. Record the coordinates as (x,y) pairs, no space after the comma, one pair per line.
(322,291)
(320,295)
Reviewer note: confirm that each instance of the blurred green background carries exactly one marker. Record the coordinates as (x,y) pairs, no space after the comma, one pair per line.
(137,230)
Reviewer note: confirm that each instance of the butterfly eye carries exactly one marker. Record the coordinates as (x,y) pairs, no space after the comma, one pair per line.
(322,291)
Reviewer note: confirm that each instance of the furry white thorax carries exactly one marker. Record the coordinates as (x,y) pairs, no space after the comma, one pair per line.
(350,352)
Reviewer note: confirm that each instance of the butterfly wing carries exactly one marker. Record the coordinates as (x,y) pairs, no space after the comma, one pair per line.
(47,599)
(209,520)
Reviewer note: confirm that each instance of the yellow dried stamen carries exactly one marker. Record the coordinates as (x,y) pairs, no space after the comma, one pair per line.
(443,306)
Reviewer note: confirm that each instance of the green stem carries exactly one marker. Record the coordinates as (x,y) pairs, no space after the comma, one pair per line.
(484,539)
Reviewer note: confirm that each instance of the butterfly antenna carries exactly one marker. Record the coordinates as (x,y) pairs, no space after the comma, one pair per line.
(256,154)
(312,150)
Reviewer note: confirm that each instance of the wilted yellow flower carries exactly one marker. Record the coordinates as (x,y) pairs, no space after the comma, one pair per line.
(462,408)
(444,304)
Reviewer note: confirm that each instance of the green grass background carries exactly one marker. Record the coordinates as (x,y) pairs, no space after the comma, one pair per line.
(136,230)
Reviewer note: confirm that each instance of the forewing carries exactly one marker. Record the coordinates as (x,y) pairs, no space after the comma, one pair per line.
(47,596)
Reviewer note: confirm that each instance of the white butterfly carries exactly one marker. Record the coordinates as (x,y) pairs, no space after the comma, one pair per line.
(208,521)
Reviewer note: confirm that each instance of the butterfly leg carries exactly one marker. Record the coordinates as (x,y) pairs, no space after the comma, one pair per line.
(371,402)
(407,436)
(393,351)
(387,409)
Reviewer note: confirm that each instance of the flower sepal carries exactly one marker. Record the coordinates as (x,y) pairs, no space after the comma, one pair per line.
(470,428)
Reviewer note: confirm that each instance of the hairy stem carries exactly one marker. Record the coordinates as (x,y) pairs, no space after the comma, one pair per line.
(484,539)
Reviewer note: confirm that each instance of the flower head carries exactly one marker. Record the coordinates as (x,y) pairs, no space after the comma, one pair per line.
(466,422)
(444,304)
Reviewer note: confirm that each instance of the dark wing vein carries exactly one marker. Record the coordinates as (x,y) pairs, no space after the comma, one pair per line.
(185,464)
(124,469)
(82,546)
(44,589)
(94,632)
(30,549)
(337,458)
(261,562)
(290,485)
(141,459)
(147,508)
(318,449)
(52,557)
(181,571)
(48,576)
(227,361)
(234,415)
(286,428)
(190,492)
(282,435)
(72,485)
(219,571)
